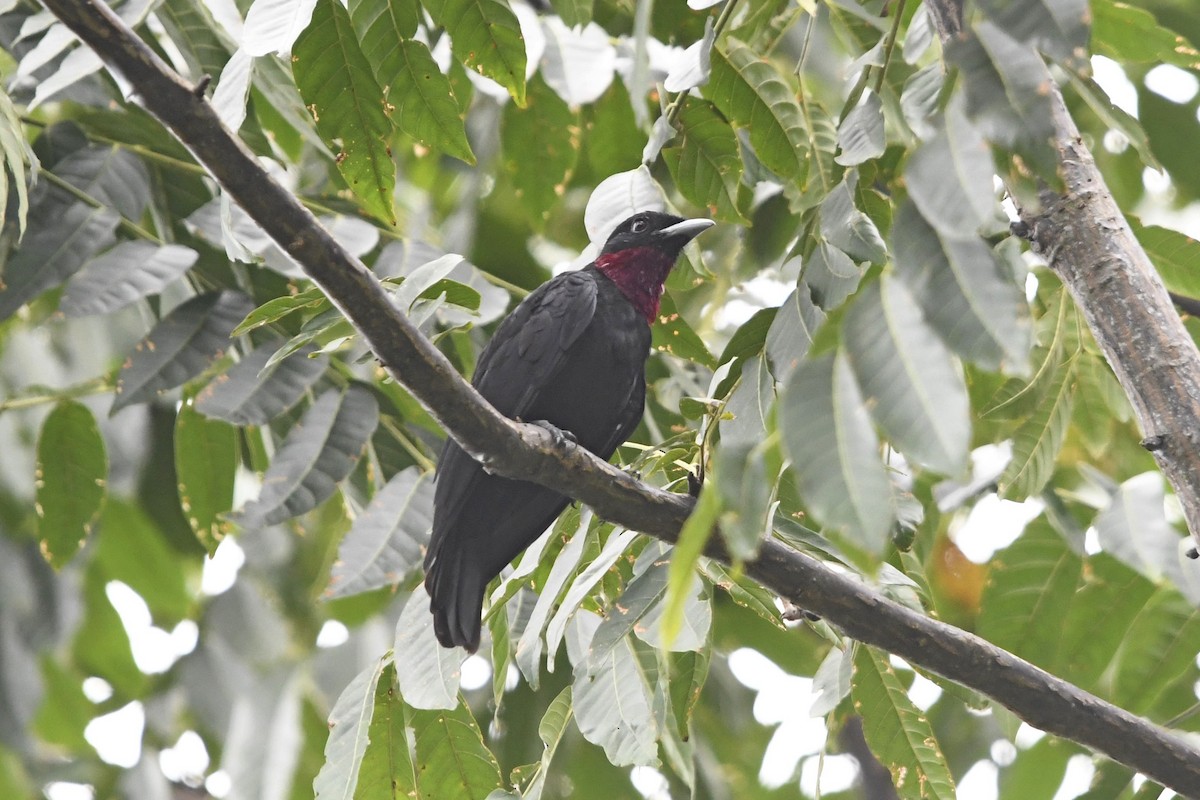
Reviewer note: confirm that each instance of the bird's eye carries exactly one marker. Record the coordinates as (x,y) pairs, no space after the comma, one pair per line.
(638,226)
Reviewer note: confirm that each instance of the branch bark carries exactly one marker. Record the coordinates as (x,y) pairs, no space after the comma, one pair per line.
(1084,237)
(528,452)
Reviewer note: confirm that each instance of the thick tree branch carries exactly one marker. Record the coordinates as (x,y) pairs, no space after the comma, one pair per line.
(1087,241)
(528,452)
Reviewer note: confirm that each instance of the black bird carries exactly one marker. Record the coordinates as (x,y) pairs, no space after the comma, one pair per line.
(572,354)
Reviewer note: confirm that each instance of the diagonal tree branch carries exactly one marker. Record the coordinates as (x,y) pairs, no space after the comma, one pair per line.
(526,451)
(1084,237)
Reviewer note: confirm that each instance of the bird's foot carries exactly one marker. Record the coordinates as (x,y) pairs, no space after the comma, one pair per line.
(559,434)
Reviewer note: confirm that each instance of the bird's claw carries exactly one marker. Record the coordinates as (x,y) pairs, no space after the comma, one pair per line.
(560,435)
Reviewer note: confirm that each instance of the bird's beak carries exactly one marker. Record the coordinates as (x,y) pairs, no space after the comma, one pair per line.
(684,232)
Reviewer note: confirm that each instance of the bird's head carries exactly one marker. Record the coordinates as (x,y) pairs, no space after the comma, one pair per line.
(641,252)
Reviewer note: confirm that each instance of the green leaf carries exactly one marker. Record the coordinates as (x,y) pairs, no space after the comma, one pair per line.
(546,133)
(277,308)
(1098,619)
(1125,32)
(428,673)
(830,276)
(422,99)
(949,178)
(898,734)
(752,93)
(847,228)
(1008,93)
(791,333)
(1030,585)
(339,88)
(689,671)
(1158,648)
(643,592)
(684,557)
(72,471)
(672,334)
(485,37)
(386,769)
(319,451)
(252,393)
(614,704)
(1134,529)
(381,27)
(743,591)
(349,734)
(123,275)
(1058,28)
(65,710)
(1037,441)
(194,31)
(451,757)
(181,346)
(387,541)
(550,731)
(206,460)
(1175,255)
(966,292)
(834,452)
(16,156)
(616,545)
(52,252)
(704,161)
(573,12)
(861,134)
(1116,118)
(909,381)
(132,549)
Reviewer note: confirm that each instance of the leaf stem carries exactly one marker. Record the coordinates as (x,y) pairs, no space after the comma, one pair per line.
(889,46)
(87,199)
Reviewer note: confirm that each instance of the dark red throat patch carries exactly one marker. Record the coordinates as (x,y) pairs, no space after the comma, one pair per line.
(639,272)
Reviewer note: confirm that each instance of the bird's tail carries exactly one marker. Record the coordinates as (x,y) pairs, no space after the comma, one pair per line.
(456,601)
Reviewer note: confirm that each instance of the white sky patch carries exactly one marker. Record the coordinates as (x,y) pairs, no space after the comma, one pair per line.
(97,689)
(154,649)
(836,774)
(981,781)
(1027,736)
(187,761)
(333,634)
(218,784)
(1078,777)
(782,699)
(1115,141)
(476,673)
(61,790)
(220,571)
(924,693)
(1172,83)
(993,524)
(1115,83)
(1156,182)
(650,783)
(1003,752)
(117,736)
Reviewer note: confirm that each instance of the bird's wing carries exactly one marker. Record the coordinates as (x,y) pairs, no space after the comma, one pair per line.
(530,345)
(520,361)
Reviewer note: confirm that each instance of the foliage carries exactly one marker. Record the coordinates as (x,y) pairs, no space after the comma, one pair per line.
(841,360)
